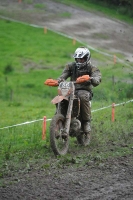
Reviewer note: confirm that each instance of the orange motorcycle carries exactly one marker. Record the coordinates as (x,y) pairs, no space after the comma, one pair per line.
(67,121)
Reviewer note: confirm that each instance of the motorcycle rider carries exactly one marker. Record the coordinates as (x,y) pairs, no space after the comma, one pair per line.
(82,66)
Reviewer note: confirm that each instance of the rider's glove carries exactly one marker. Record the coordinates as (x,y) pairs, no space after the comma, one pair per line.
(83,79)
(51,82)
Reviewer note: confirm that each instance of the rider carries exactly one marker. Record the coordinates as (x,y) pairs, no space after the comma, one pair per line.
(82,66)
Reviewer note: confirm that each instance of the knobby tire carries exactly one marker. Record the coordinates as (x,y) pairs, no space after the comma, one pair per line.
(57,143)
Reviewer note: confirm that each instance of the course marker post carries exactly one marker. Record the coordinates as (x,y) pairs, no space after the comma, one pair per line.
(74,41)
(44,128)
(113,112)
(45,30)
(114,59)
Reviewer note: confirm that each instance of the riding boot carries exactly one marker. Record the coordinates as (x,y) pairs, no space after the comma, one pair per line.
(87,128)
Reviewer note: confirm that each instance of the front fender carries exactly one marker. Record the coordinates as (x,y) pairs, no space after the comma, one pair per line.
(58,99)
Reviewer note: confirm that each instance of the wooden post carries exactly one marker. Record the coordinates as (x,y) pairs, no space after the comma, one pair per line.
(44,128)
(45,30)
(74,41)
(114,59)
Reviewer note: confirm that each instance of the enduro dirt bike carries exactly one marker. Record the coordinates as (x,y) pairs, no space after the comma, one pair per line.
(67,120)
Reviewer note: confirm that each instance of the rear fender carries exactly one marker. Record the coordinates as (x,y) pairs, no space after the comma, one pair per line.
(58,99)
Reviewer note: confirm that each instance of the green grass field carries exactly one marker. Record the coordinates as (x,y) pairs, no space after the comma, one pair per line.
(28,57)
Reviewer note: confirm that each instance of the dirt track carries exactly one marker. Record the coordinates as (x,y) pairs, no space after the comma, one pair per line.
(112,179)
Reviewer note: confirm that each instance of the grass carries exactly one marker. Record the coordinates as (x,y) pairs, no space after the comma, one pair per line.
(65,14)
(32,52)
(39,6)
(28,1)
(28,58)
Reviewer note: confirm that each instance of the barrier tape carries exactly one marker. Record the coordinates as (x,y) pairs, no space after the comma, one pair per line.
(29,122)
(114,105)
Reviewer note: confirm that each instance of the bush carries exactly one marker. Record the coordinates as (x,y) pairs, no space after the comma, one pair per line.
(8,69)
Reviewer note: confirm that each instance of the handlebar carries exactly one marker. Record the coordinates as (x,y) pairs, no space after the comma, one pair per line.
(81,79)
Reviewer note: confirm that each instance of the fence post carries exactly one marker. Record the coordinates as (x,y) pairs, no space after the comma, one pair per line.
(44,128)
(113,112)
(74,41)
(45,30)
(114,59)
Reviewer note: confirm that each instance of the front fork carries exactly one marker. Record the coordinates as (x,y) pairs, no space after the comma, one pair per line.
(68,117)
(65,131)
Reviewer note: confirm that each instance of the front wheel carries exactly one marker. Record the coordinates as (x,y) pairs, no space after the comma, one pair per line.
(58,142)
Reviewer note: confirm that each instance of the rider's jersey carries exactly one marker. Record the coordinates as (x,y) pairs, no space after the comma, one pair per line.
(72,71)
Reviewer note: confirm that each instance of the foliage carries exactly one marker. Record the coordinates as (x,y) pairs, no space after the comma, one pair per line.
(8,69)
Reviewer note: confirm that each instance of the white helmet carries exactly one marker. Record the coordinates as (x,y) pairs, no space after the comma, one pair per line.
(82,52)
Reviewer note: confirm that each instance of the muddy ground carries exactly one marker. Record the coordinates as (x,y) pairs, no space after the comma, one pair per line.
(111,179)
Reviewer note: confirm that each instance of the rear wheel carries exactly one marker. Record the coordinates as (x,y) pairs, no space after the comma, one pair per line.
(58,142)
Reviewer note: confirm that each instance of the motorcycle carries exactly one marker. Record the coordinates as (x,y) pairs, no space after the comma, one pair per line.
(67,121)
